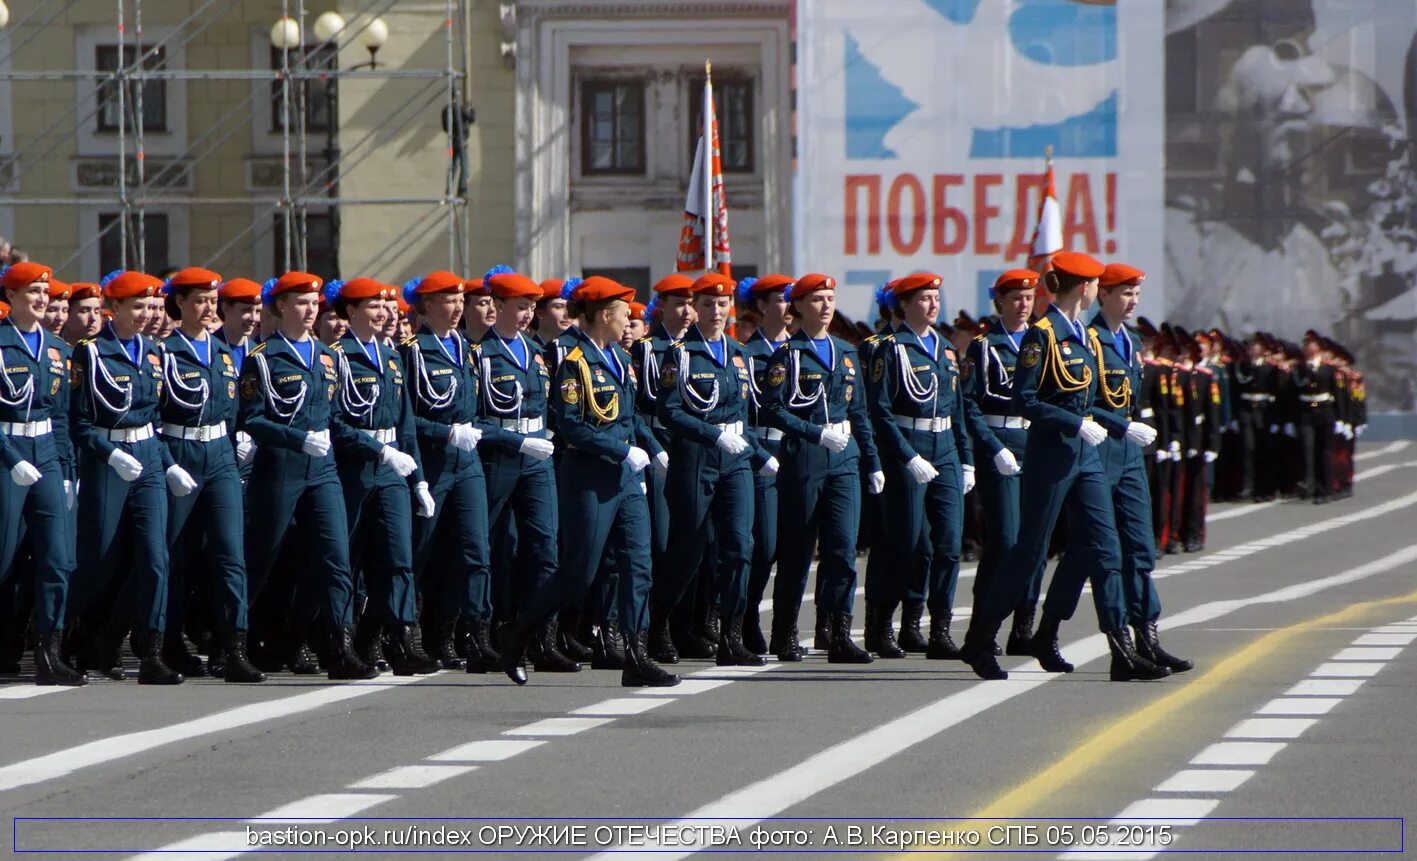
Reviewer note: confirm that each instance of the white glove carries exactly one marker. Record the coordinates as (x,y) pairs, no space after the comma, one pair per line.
(401,463)
(245,448)
(1212,456)
(834,439)
(316,444)
(1274,428)
(1338,427)
(424,499)
(1234,425)
(661,464)
(1176,455)
(1290,430)
(1162,454)
(180,481)
(969,478)
(1141,434)
(464,436)
(731,442)
(1358,431)
(24,474)
(127,466)
(875,482)
(637,458)
(537,448)
(1347,431)
(71,494)
(771,467)
(1006,463)
(920,469)
(1092,433)
(1192,452)
(1175,449)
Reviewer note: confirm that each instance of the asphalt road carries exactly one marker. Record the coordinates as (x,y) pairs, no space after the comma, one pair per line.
(1292,734)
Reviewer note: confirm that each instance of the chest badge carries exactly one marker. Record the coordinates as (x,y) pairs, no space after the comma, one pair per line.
(1030,356)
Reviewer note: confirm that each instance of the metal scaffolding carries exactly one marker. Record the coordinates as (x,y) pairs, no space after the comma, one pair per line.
(138,189)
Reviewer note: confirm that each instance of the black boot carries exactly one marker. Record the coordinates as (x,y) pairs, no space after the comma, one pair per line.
(640,670)
(822,632)
(481,657)
(661,643)
(302,660)
(609,654)
(1021,634)
(516,636)
(872,640)
(1045,646)
(911,640)
(176,655)
(886,647)
(753,639)
(344,663)
(447,645)
(99,647)
(568,643)
(49,669)
(236,666)
(1127,665)
(368,635)
(942,645)
(405,658)
(841,649)
(978,649)
(711,627)
(731,651)
(1148,644)
(151,668)
(784,643)
(548,659)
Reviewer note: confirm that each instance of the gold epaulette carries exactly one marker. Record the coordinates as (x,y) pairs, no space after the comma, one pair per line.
(411,341)
(1045,324)
(982,336)
(575,355)
(258,348)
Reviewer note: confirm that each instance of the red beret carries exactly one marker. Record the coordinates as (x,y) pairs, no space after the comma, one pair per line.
(5,308)
(58,289)
(637,311)
(811,283)
(713,284)
(476,287)
(404,308)
(356,289)
(674,285)
(917,281)
(598,288)
(297,282)
(440,282)
(240,290)
(1016,279)
(1120,273)
(1077,264)
(126,285)
(21,275)
(551,289)
(194,276)
(510,285)
(769,283)
(83,290)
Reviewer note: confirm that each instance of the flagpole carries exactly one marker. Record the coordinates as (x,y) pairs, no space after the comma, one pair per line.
(708,165)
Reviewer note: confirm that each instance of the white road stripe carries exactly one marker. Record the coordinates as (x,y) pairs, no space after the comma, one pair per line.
(559,726)
(1299,706)
(418,776)
(1238,753)
(686,688)
(1323,688)
(29,692)
(1205,780)
(1168,811)
(322,808)
(486,750)
(1390,448)
(1385,640)
(1346,669)
(1361,653)
(621,706)
(1270,728)
(204,847)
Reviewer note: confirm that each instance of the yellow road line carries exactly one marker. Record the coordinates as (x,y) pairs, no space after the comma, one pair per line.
(1103,745)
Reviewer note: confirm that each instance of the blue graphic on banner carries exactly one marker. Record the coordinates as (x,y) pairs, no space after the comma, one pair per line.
(984,303)
(873,106)
(1089,135)
(958,11)
(1064,32)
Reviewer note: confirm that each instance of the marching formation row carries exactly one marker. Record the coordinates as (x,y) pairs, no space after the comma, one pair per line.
(539,474)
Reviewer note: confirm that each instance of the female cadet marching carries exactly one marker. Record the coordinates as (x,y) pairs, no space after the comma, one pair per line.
(516,455)
(450,549)
(767,296)
(377,458)
(814,394)
(288,388)
(704,394)
(918,418)
(1055,389)
(124,476)
(1117,349)
(37,497)
(999,434)
(601,487)
(198,413)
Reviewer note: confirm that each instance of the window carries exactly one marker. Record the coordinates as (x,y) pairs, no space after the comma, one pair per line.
(154,90)
(155,242)
(733,105)
(319,245)
(315,93)
(631,276)
(612,127)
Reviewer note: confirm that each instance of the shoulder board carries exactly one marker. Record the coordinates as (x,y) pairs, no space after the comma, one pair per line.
(258,348)
(575,355)
(1044,323)
(950,353)
(336,347)
(871,339)
(887,338)
(477,347)
(982,336)
(676,344)
(411,341)
(91,340)
(645,339)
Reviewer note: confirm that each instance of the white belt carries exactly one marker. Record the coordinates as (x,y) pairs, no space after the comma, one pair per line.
(1316,399)
(128,434)
(769,434)
(839,427)
(1006,422)
(205,433)
(387,436)
(731,427)
(1147,412)
(523,426)
(934,425)
(39,428)
(1257,398)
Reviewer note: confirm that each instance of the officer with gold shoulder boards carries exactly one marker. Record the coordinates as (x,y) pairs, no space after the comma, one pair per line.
(239,307)
(602,497)
(1054,389)
(124,475)
(917,413)
(37,497)
(289,385)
